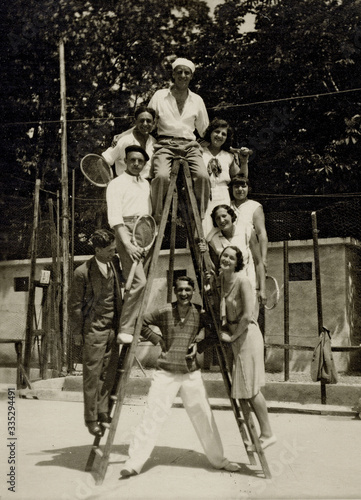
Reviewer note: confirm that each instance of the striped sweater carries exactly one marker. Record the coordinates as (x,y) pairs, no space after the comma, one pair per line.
(177,336)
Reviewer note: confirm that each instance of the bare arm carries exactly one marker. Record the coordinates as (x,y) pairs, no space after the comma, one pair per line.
(258,264)
(241,157)
(247,299)
(213,261)
(260,227)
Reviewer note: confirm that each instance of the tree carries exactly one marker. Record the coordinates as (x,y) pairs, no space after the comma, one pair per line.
(116,56)
(280,85)
(298,49)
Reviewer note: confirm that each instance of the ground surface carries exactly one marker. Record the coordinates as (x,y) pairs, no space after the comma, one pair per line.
(316,457)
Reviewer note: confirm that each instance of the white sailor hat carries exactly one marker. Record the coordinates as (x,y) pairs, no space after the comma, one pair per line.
(184,62)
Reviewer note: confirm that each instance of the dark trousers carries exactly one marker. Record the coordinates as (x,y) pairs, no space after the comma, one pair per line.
(100,358)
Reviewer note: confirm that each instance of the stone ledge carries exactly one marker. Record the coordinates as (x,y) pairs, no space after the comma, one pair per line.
(284,393)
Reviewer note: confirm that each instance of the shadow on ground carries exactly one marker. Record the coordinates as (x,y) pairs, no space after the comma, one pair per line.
(75,458)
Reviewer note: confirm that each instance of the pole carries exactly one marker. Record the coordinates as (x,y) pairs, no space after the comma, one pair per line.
(31,298)
(64,195)
(318,289)
(55,352)
(286,309)
(72,226)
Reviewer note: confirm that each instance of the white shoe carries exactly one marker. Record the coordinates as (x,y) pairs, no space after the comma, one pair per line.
(124,338)
(264,442)
(232,467)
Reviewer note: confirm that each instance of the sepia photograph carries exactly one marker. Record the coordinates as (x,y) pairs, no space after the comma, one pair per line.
(180,250)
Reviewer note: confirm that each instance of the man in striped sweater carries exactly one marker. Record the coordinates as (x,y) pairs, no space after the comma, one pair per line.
(177,370)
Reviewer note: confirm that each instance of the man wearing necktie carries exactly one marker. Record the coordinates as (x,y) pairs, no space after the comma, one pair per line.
(95,305)
(128,197)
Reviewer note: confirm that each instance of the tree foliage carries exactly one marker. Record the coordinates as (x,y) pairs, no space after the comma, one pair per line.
(297,50)
(282,84)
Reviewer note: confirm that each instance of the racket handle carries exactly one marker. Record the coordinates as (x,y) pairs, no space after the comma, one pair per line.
(131,276)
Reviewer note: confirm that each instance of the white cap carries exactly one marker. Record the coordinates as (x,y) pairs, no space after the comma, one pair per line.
(184,62)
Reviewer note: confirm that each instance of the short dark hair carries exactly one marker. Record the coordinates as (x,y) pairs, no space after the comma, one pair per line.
(144,109)
(230,211)
(219,123)
(184,278)
(237,179)
(101,238)
(138,149)
(239,257)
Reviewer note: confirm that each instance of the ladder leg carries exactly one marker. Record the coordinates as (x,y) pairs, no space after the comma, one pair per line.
(128,356)
(241,422)
(245,406)
(172,246)
(95,447)
(241,410)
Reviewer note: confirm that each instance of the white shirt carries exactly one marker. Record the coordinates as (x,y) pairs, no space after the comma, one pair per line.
(127,196)
(102,267)
(116,154)
(174,124)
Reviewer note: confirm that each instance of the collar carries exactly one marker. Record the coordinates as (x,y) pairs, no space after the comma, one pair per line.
(136,178)
(221,235)
(176,311)
(190,93)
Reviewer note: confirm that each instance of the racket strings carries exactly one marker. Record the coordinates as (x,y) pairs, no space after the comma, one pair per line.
(144,232)
(272,293)
(96,170)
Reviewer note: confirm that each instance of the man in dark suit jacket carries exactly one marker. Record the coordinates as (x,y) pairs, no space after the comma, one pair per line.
(94,310)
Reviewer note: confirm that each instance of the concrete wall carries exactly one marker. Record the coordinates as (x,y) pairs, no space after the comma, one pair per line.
(337,263)
(303,322)
(353,287)
(13,304)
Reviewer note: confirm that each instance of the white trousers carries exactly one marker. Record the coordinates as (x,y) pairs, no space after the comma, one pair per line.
(164,389)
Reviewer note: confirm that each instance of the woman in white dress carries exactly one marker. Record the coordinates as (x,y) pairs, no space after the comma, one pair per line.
(243,237)
(221,165)
(248,211)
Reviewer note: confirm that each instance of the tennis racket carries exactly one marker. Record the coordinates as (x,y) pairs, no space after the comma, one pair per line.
(272,293)
(144,234)
(96,170)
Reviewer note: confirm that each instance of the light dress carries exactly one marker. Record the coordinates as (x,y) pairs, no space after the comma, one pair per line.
(219,183)
(240,239)
(248,374)
(245,211)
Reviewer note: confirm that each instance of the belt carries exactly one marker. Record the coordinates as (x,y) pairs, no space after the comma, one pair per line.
(173,138)
(131,218)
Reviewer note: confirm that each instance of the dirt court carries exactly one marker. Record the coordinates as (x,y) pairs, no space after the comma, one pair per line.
(316,457)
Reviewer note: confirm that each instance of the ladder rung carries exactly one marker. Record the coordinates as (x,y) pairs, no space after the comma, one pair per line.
(37,333)
(121,370)
(98,451)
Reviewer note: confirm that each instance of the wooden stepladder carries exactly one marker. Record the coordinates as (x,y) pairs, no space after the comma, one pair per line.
(179,195)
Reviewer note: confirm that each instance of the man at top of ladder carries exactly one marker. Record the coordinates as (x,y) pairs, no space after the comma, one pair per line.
(177,370)
(128,197)
(180,111)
